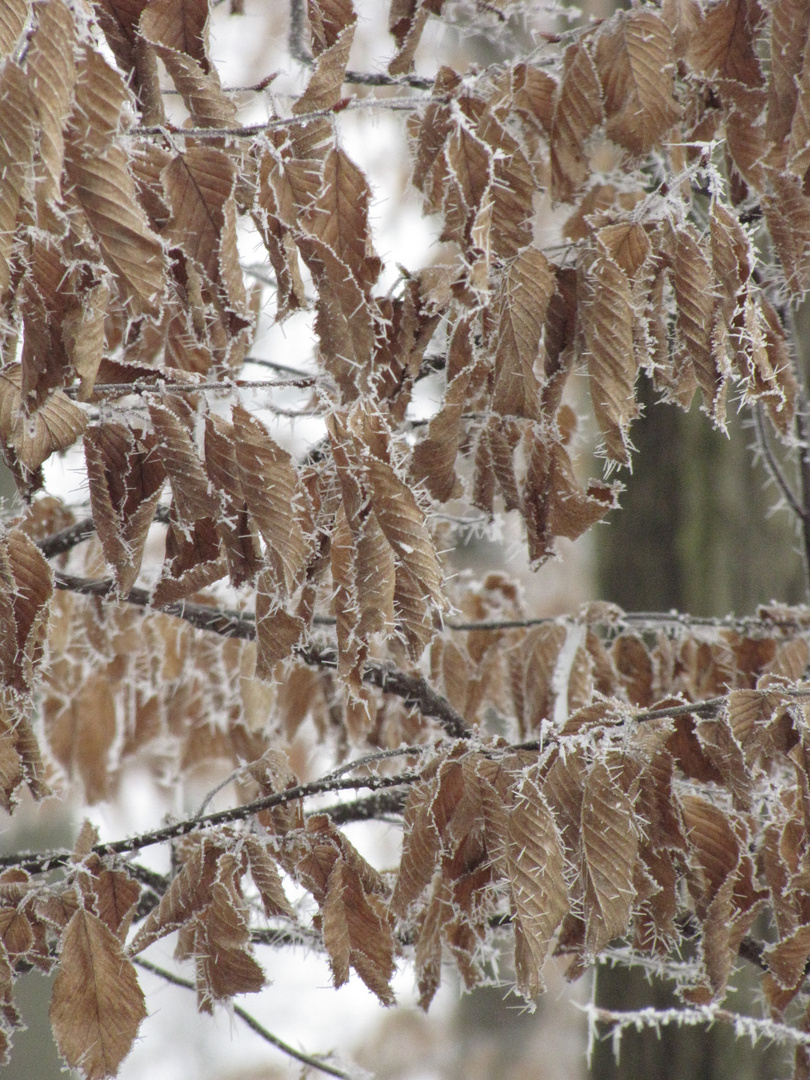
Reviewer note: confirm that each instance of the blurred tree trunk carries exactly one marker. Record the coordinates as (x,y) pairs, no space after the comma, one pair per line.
(695,533)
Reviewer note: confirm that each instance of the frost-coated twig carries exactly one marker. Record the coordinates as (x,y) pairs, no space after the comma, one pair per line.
(640,1019)
(314,1062)
(252,131)
(219,386)
(803,431)
(773,465)
(42,862)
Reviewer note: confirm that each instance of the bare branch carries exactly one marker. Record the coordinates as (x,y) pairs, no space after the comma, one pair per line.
(252,131)
(773,465)
(43,862)
(314,1062)
(161,386)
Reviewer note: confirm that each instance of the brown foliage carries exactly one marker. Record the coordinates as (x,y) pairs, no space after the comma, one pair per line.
(647,785)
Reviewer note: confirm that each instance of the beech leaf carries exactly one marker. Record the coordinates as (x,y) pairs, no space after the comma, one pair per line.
(97,1004)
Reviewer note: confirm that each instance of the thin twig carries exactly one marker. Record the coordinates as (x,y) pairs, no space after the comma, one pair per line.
(162,387)
(285,1048)
(252,131)
(773,465)
(274,365)
(651,1017)
(804,476)
(43,862)
(378,755)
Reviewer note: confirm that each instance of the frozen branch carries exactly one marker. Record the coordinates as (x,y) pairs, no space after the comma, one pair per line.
(305,1059)
(43,862)
(773,465)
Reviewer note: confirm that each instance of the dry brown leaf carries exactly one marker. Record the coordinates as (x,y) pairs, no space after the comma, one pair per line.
(277,632)
(173,421)
(237,533)
(790,24)
(52,70)
(97,1004)
(724,46)
(199,184)
(83,335)
(82,730)
(326,81)
(421,844)
(787,212)
(607,332)
(224,961)
(17,120)
(344,320)
(403,523)
(26,588)
(716,849)
(627,243)
(13,16)
(635,59)
(577,112)
(20,758)
(786,960)
(352,651)
(119,21)
(178,32)
(693,282)
(406,21)
(467,175)
(274,498)
(527,288)
(188,894)
(116,895)
(434,458)
(509,205)
(356,932)
(538,890)
(96,166)
(266,878)
(609,854)
(274,215)
(126,478)
(338,217)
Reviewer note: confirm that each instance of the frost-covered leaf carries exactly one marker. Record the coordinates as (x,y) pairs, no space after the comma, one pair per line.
(17,119)
(539,894)
(635,60)
(607,329)
(97,1005)
(178,32)
(526,292)
(96,165)
(126,478)
(52,71)
(578,110)
(274,498)
(26,588)
(609,853)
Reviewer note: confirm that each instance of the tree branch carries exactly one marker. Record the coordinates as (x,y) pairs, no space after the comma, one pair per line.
(773,466)
(44,862)
(285,1048)
(160,386)
(252,131)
